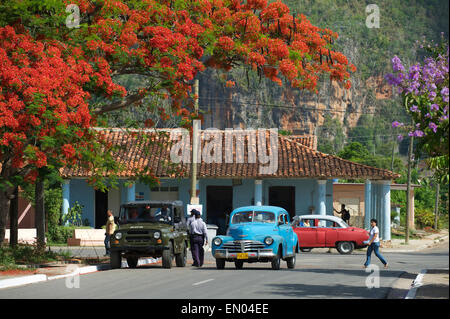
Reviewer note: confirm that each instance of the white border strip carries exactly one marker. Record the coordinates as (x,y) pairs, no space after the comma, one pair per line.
(25,280)
(416,284)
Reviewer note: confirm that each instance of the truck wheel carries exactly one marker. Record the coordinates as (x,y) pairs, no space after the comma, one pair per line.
(180,259)
(291,262)
(238,264)
(276,261)
(345,247)
(220,263)
(132,262)
(115,259)
(305,250)
(167,257)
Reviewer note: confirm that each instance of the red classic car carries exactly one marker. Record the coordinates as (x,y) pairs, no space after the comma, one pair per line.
(318,231)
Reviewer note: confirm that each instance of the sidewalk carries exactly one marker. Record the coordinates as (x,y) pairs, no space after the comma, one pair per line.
(429,284)
(428,241)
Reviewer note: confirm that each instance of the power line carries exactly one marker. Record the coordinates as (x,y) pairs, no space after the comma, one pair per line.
(289,107)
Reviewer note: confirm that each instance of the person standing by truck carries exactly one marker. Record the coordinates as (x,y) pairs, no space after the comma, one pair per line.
(110,228)
(198,233)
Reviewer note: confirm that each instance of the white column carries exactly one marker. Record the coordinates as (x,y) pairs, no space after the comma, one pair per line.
(258,192)
(65,197)
(386,210)
(322,190)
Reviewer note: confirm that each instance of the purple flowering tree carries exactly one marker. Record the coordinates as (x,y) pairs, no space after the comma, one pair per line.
(424,88)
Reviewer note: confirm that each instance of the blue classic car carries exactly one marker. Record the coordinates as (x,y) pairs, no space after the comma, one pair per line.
(257,234)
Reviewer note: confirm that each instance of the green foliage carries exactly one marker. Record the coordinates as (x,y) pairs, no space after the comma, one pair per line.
(60,234)
(26,255)
(330,138)
(73,217)
(424,217)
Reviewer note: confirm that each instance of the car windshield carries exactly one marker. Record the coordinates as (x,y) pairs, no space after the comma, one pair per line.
(253,217)
(147,214)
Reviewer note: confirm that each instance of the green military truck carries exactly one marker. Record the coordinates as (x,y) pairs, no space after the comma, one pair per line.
(150,229)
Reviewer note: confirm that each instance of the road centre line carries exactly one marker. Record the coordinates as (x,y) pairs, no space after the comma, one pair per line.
(202,282)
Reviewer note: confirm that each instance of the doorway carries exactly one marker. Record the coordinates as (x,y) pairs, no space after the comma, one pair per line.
(283,196)
(101,206)
(219,203)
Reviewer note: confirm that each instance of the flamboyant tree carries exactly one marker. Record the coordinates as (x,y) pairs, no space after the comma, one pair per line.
(44,115)
(53,60)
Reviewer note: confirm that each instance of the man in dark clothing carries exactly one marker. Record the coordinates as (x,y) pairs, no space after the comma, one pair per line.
(345,214)
(199,233)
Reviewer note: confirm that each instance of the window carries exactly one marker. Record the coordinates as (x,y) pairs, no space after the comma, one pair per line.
(251,216)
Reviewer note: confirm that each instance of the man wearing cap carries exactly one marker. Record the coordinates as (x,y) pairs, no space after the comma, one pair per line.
(199,234)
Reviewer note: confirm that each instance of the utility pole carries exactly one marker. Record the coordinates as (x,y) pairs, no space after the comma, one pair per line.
(408,189)
(436,204)
(195,129)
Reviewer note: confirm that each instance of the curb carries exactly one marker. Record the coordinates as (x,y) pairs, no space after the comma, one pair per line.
(26,280)
(416,284)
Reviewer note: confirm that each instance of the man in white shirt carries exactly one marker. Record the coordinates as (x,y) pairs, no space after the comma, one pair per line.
(199,234)
(374,244)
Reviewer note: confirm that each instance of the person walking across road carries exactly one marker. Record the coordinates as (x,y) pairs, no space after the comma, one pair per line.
(110,228)
(199,234)
(374,244)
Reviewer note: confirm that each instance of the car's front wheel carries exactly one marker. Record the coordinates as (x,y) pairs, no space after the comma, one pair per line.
(181,258)
(167,257)
(305,250)
(291,262)
(276,261)
(345,247)
(220,263)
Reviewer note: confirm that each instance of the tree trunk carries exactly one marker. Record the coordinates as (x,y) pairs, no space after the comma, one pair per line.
(40,214)
(14,219)
(4,211)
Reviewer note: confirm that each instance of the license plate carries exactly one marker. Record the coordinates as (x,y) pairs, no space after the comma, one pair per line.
(242,256)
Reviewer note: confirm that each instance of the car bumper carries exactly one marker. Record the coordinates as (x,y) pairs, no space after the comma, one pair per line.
(143,249)
(252,255)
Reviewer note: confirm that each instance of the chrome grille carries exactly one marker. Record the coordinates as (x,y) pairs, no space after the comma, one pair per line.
(243,246)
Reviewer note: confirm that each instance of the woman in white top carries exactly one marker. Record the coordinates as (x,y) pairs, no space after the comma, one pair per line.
(374,244)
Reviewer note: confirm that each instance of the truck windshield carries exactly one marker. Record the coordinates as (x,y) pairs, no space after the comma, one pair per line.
(253,217)
(146,214)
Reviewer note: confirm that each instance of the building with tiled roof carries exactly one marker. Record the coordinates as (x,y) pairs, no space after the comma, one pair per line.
(238,169)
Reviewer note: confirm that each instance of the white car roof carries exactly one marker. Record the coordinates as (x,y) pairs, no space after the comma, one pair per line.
(323,217)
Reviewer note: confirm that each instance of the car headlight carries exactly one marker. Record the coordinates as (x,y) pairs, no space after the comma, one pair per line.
(268,241)
(118,236)
(217,241)
(157,235)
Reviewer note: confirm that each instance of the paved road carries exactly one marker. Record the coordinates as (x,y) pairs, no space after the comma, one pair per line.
(316,275)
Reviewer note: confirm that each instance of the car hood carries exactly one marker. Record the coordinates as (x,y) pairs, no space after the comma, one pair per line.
(250,230)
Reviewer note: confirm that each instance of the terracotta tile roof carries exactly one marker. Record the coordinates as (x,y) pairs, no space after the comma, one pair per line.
(307,140)
(150,150)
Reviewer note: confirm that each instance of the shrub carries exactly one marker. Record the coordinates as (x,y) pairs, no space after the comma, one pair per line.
(424,217)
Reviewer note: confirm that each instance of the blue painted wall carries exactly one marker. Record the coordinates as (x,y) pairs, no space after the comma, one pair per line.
(305,193)
(84,194)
